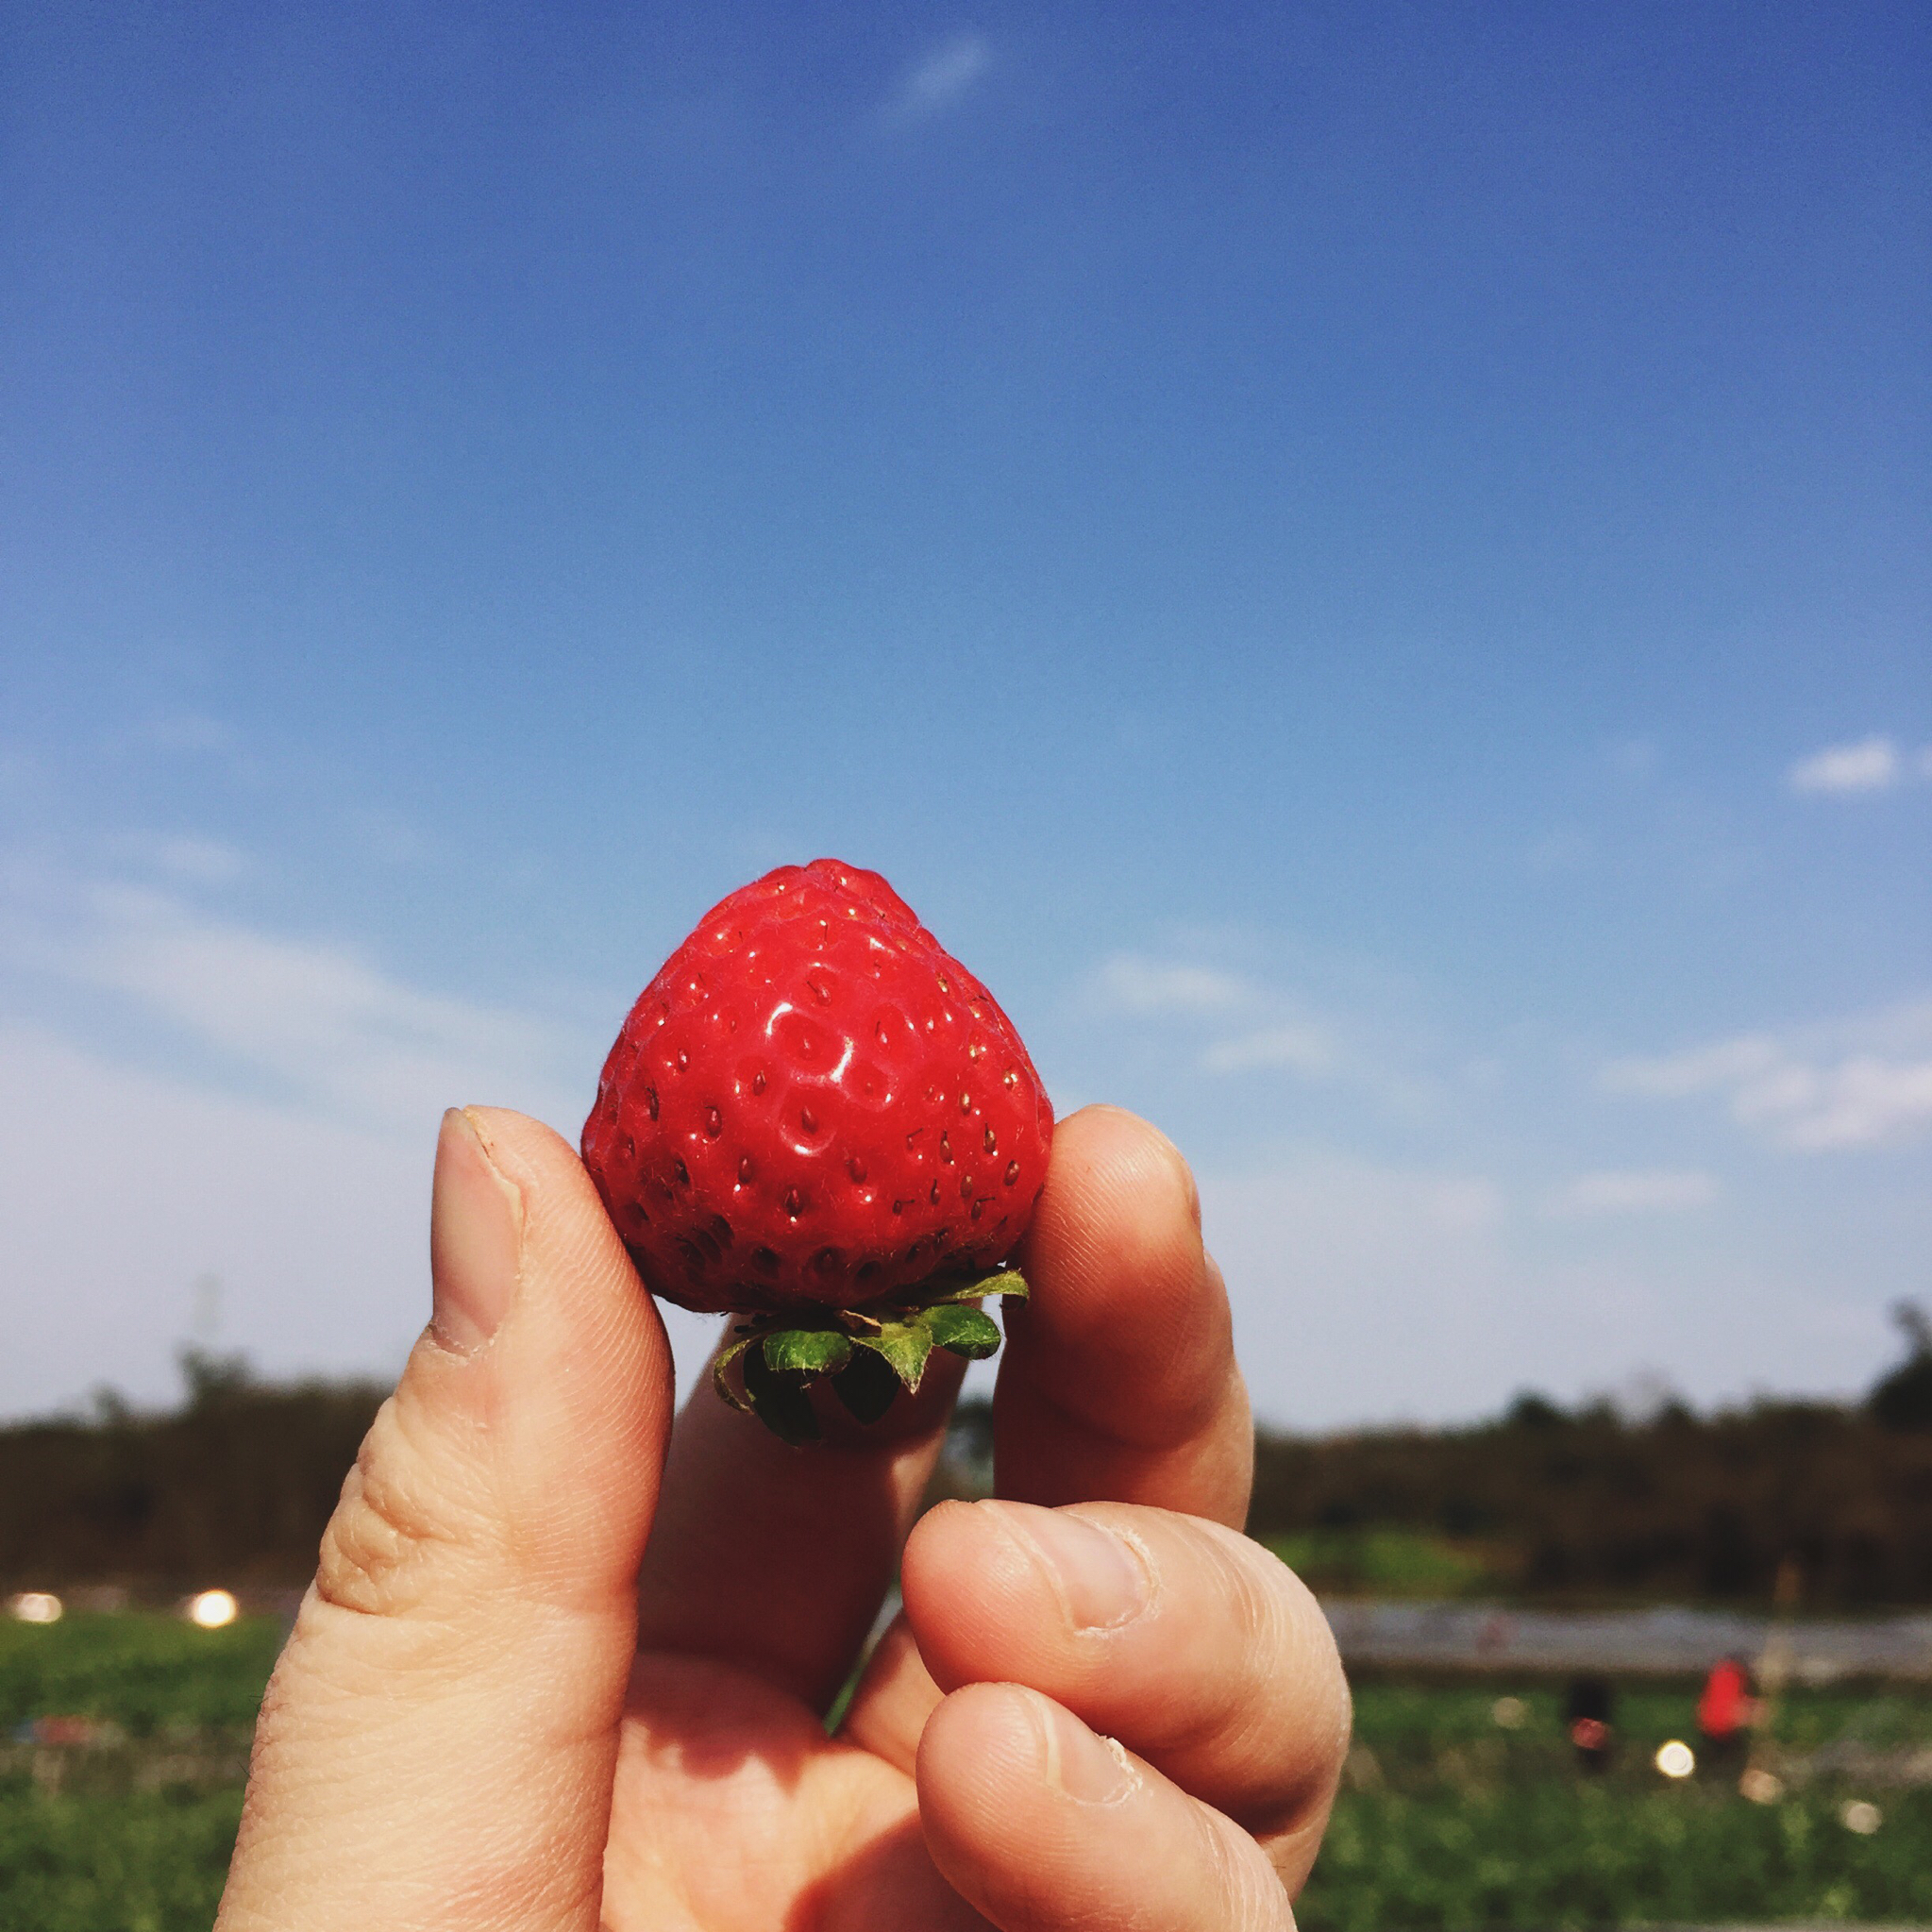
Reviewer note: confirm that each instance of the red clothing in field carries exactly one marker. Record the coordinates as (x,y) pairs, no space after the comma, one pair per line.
(1726,1706)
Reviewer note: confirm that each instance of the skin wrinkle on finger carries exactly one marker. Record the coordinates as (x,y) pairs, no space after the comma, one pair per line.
(504,1833)
(1257,1895)
(388,1532)
(1130,1444)
(1119,1377)
(1229,1681)
(1049,1456)
(1121,1215)
(1305,1649)
(413,1520)
(342,1683)
(376,1756)
(1196,1456)
(514,1781)
(476,1650)
(1010,1519)
(1034,1859)
(1261,1633)
(344,1695)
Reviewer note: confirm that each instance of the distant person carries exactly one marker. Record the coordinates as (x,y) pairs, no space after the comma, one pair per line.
(1725,1711)
(568,1657)
(1588,1711)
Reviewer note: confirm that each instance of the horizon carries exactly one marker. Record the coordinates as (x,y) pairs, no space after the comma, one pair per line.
(1637,1406)
(1367,575)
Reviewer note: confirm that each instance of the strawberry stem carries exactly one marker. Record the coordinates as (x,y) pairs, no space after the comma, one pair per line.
(867,1354)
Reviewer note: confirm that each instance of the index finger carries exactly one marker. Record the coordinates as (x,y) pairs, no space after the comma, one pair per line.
(1118,1381)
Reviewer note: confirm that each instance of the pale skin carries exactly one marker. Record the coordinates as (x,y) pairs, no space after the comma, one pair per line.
(567,1653)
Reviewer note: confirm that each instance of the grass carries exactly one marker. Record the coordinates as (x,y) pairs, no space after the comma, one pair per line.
(1446,1818)
(149,1674)
(1559,1855)
(1385,1563)
(134,1835)
(143,1861)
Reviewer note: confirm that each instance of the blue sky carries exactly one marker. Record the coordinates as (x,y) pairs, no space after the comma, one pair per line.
(1367,568)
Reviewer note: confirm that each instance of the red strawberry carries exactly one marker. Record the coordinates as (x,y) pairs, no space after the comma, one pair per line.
(815,1117)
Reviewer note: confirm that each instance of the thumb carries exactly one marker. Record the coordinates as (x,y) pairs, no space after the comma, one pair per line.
(435,1749)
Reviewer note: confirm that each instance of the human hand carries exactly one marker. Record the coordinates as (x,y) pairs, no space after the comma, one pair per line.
(563,1665)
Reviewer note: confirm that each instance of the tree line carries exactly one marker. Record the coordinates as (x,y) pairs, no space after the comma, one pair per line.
(234,1484)
(1590,1504)
(232,1488)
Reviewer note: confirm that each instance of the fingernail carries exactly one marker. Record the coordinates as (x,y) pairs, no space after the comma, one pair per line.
(476,1237)
(1089,1769)
(1100,1577)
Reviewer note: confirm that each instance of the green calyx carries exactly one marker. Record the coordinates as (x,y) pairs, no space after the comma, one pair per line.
(867,1355)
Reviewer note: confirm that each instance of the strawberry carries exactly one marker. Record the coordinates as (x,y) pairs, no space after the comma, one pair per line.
(815,1118)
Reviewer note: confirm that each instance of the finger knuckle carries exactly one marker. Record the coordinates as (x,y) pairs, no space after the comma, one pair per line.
(1256,1611)
(1258,1599)
(381,1544)
(1275,1712)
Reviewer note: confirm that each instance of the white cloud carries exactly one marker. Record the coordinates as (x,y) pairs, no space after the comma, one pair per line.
(315,1021)
(1305,1050)
(119,1187)
(1632,1192)
(1678,1075)
(1862,1102)
(1152,988)
(1850,1084)
(289,1158)
(938,78)
(1135,985)
(1871,764)
(318,1016)
(1364,1289)
(1224,1023)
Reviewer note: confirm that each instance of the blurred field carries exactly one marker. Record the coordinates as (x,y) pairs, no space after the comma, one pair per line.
(1391,1562)
(1448,1819)
(130,1830)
